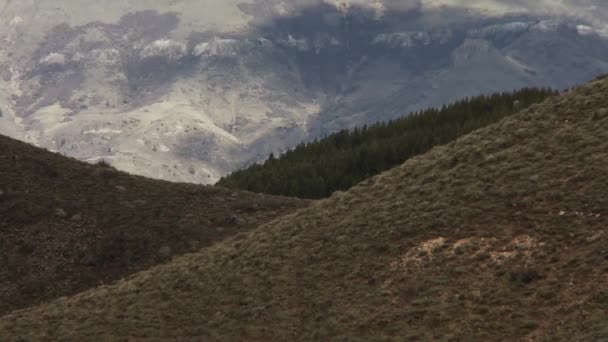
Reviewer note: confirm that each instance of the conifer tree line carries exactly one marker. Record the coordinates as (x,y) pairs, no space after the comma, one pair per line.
(339,161)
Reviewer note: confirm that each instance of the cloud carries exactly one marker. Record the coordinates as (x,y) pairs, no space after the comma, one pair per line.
(380,6)
(593,14)
(594,11)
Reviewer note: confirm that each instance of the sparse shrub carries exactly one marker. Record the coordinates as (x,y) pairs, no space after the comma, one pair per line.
(602,298)
(31,287)
(23,211)
(600,77)
(460,250)
(165,252)
(524,276)
(26,247)
(120,249)
(482,256)
(104,164)
(104,170)
(528,325)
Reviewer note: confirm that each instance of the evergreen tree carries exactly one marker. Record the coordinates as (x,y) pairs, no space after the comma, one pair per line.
(342,159)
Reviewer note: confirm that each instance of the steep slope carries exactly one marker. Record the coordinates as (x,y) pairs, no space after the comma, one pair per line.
(341,160)
(500,235)
(66,226)
(186,90)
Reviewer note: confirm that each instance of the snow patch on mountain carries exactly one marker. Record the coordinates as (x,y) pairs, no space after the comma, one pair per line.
(105,56)
(501,29)
(404,39)
(301,44)
(166,48)
(218,47)
(54,59)
(413,39)
(17,20)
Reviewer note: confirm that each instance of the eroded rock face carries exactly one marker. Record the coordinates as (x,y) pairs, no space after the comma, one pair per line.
(190,91)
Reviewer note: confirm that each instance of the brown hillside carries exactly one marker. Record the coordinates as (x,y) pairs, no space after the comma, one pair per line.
(501,235)
(66,226)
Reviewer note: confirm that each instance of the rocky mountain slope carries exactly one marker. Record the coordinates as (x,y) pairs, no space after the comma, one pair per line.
(188,90)
(66,226)
(500,235)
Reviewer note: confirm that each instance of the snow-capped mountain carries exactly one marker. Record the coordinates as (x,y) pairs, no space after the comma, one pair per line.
(188,90)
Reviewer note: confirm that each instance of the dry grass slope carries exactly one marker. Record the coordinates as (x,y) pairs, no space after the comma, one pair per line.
(500,235)
(66,226)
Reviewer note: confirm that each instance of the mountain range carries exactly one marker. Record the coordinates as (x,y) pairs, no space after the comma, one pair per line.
(188,90)
(499,235)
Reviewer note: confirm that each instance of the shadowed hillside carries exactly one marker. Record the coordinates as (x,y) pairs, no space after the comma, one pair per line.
(500,235)
(66,226)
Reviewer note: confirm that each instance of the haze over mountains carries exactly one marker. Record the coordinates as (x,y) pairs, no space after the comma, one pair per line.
(189,90)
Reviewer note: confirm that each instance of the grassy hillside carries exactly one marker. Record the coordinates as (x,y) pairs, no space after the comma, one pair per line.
(317,169)
(500,235)
(66,226)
